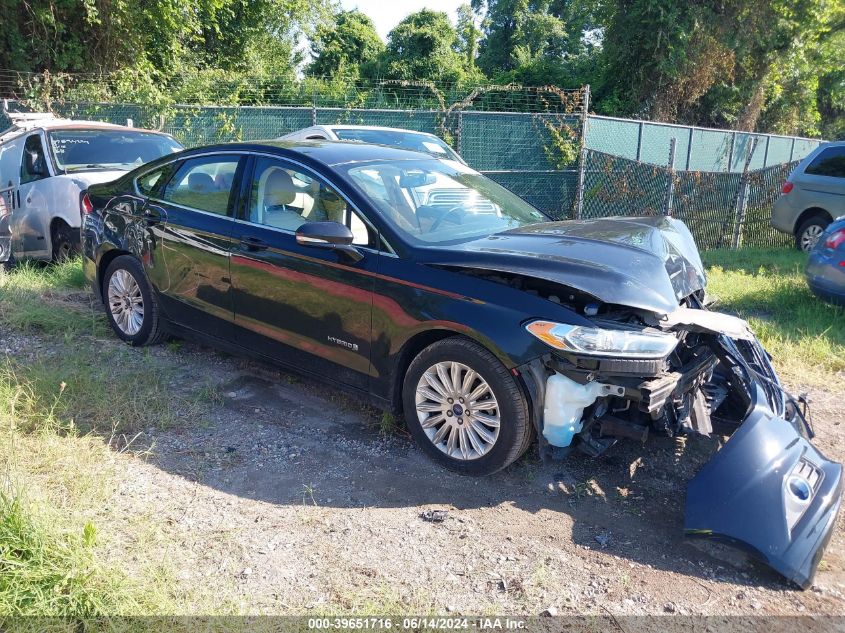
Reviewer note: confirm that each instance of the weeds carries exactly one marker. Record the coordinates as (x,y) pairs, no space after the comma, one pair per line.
(47,572)
(805,336)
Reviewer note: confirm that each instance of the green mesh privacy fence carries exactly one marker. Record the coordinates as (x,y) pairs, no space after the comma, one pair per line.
(697,149)
(722,185)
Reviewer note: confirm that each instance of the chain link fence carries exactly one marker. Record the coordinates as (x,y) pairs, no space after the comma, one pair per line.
(721,209)
(537,142)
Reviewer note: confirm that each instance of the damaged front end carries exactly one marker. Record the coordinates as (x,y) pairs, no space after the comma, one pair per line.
(767,490)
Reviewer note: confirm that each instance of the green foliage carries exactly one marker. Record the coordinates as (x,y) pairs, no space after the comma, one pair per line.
(47,573)
(423,46)
(155,38)
(668,60)
(344,46)
(805,336)
(673,60)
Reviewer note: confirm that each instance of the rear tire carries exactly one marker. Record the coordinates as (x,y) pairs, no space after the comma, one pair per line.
(809,232)
(131,306)
(65,242)
(488,425)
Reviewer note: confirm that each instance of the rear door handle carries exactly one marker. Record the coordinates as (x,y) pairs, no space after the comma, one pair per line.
(254,244)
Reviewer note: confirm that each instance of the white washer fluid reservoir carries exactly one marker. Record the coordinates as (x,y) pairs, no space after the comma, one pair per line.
(564,408)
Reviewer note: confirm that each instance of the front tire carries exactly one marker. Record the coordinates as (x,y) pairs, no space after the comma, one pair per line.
(465,409)
(131,306)
(809,233)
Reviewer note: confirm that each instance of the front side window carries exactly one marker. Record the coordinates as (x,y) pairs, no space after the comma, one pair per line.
(432,201)
(831,162)
(34,161)
(284,198)
(203,183)
(81,149)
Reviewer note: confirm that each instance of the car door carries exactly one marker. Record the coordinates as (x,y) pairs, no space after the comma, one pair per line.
(303,305)
(29,222)
(195,209)
(823,181)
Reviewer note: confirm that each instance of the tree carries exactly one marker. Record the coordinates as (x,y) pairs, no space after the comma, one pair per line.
(673,60)
(468,35)
(345,46)
(162,37)
(423,46)
(523,36)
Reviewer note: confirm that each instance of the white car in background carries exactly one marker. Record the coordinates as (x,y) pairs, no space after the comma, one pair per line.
(393,137)
(46,163)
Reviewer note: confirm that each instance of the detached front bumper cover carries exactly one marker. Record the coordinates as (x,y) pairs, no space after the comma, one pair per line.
(769,491)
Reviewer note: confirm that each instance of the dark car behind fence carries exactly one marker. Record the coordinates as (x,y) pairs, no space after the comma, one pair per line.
(721,183)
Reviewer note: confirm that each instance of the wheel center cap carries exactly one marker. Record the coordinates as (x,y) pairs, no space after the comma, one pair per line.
(457,409)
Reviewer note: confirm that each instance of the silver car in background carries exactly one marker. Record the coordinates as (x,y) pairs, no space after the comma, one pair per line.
(813,196)
(390,136)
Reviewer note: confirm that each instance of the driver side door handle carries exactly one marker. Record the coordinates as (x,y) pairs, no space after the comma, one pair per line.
(254,244)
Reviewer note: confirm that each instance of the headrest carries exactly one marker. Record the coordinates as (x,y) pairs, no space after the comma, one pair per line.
(200,182)
(279,189)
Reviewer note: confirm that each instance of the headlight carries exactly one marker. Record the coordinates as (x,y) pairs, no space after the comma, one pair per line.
(600,342)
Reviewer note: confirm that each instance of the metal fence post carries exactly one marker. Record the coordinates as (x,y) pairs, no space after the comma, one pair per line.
(640,141)
(731,152)
(792,150)
(742,198)
(314,107)
(689,148)
(670,186)
(460,140)
(579,204)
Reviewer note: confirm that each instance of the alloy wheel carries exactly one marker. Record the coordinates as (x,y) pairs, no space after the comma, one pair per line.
(457,410)
(126,303)
(810,236)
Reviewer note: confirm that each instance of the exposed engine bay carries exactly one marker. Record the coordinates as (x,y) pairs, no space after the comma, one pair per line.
(640,353)
(768,490)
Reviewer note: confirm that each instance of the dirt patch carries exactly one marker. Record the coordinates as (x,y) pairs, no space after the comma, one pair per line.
(287,497)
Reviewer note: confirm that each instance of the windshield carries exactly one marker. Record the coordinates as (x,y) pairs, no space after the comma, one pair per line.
(74,150)
(427,143)
(434,201)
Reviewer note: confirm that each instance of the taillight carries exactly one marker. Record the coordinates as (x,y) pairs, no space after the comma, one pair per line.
(835,239)
(85,205)
(787,187)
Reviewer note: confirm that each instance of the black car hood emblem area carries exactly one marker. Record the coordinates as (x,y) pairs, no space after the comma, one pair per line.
(645,263)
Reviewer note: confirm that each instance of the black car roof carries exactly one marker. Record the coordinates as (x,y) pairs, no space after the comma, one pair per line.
(330,153)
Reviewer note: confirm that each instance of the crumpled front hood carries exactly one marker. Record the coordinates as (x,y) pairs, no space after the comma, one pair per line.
(648,263)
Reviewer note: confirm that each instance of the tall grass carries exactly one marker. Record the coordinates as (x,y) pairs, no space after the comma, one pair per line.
(68,408)
(34,298)
(804,335)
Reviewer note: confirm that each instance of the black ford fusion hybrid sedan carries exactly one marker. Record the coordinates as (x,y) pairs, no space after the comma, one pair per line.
(437,293)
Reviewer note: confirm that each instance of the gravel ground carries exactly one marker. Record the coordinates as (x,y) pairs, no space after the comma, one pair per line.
(288,497)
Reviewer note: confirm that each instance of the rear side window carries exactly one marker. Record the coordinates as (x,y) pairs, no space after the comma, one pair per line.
(204,184)
(831,162)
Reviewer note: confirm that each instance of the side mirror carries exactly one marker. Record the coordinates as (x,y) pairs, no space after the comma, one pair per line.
(328,235)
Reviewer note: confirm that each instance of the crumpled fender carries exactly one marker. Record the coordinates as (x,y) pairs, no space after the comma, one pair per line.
(742,494)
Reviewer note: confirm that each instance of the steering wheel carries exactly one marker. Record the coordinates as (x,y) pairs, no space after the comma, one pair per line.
(443,216)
